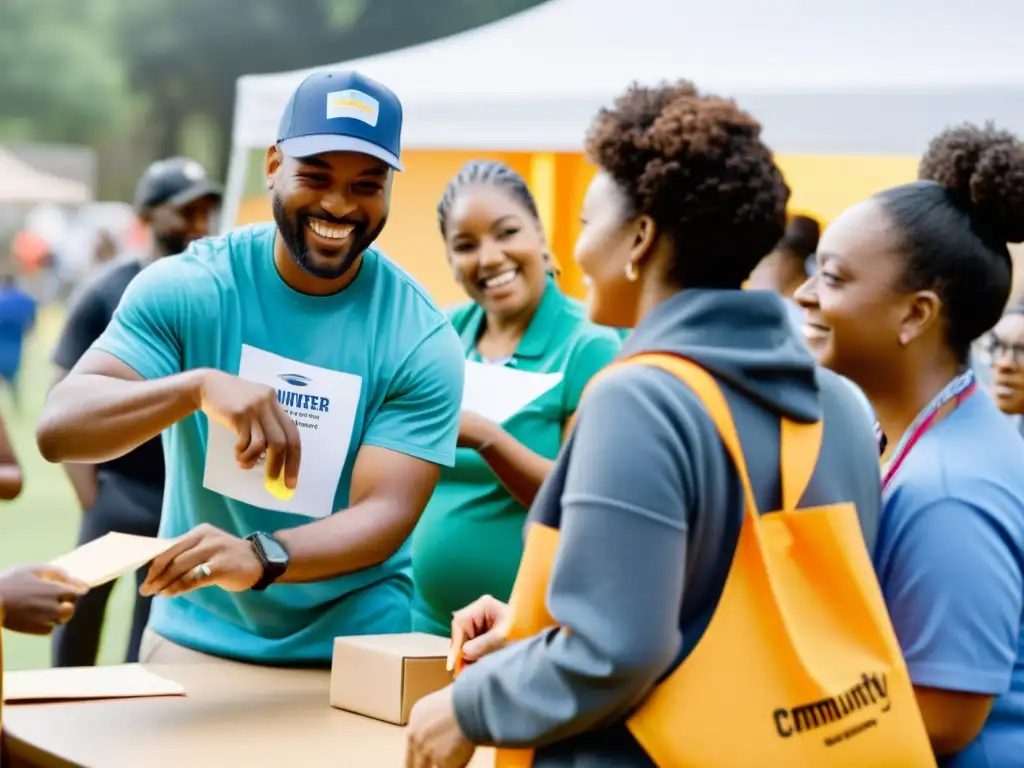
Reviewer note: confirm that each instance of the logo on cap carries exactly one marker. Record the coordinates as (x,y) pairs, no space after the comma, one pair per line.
(354,105)
(193,171)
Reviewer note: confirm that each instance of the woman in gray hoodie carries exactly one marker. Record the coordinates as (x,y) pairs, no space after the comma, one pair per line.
(648,503)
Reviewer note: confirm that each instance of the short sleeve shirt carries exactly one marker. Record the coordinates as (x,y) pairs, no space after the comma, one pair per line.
(375,364)
(950,559)
(469,540)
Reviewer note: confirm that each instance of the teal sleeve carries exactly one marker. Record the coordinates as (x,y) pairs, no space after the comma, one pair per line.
(420,416)
(591,354)
(145,331)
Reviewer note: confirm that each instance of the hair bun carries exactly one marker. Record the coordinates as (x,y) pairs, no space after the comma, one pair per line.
(984,166)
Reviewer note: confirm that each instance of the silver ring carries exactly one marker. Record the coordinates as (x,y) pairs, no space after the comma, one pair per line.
(201,571)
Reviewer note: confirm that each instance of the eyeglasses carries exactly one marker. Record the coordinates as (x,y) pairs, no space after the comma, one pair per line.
(996,348)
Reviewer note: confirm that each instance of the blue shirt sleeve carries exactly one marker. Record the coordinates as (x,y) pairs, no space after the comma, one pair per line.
(145,331)
(420,416)
(954,590)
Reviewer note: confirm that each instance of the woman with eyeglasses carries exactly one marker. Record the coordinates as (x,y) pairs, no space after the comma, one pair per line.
(907,281)
(1005,348)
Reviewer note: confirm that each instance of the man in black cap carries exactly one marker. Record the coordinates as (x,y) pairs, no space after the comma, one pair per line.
(176,200)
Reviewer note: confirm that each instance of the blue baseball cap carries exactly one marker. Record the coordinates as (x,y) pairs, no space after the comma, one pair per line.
(342,112)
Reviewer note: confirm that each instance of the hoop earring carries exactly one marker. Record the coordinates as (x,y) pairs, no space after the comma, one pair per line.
(631,273)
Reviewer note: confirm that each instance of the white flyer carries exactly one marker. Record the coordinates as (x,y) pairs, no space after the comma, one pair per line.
(323,404)
(498,392)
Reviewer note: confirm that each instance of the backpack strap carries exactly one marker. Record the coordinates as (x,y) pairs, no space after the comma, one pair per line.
(800,443)
(798,456)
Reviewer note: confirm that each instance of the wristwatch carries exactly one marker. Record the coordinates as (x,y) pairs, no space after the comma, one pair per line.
(272,556)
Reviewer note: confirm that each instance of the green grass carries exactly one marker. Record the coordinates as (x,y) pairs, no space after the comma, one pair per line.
(43,522)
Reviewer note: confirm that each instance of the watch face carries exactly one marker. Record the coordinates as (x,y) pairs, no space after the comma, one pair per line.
(272,550)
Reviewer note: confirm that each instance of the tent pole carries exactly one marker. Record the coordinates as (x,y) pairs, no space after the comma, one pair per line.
(543,180)
(235,188)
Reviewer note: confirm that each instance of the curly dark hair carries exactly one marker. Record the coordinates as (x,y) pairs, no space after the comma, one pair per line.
(953,226)
(697,166)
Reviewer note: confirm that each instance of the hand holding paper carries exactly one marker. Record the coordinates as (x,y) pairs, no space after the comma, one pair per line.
(37,598)
(110,557)
(204,556)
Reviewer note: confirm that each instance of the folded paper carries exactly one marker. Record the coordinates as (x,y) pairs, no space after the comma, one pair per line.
(123,681)
(110,557)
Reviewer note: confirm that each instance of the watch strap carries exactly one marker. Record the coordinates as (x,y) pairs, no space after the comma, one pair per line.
(271,571)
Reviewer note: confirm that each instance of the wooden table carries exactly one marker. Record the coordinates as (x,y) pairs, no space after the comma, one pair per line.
(233,716)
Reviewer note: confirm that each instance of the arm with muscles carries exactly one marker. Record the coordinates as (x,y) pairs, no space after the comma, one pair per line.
(126,387)
(130,386)
(955,593)
(85,322)
(518,468)
(394,475)
(616,587)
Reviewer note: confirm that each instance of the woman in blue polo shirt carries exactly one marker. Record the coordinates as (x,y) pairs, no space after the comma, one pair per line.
(906,282)
(469,540)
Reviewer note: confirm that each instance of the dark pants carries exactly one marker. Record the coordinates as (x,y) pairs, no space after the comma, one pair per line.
(122,506)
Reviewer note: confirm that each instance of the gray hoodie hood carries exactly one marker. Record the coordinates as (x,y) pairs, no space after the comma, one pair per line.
(744,338)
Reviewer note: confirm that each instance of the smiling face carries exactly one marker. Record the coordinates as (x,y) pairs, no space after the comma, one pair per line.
(855,317)
(608,241)
(328,208)
(496,249)
(1006,346)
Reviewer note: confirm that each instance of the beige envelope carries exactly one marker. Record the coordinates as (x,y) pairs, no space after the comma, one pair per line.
(111,556)
(69,683)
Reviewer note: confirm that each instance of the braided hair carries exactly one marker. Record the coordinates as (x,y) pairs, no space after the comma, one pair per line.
(485,173)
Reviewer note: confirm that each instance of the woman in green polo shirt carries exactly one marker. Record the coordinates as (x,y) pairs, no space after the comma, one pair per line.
(469,540)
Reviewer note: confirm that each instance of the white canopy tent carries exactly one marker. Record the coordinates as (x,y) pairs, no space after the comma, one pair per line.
(20,183)
(828,77)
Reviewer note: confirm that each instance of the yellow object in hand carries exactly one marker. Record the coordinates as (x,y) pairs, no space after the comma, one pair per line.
(275,487)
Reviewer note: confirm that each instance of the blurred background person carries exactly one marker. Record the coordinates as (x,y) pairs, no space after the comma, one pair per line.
(785,269)
(906,282)
(175,199)
(469,541)
(1004,348)
(17,319)
(106,248)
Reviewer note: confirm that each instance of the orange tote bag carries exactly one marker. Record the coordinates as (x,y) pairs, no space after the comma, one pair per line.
(799,666)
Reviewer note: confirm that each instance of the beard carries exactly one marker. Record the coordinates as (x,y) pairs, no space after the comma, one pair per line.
(293,230)
(171,244)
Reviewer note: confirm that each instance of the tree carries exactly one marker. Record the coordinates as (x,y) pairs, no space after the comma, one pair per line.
(59,77)
(187,55)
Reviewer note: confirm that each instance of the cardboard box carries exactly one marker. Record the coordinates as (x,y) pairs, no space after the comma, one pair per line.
(383,676)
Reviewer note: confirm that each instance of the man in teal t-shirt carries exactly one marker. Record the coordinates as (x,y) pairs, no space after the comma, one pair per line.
(297,351)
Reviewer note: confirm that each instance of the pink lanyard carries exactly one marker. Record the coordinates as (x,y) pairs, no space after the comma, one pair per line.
(959,389)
